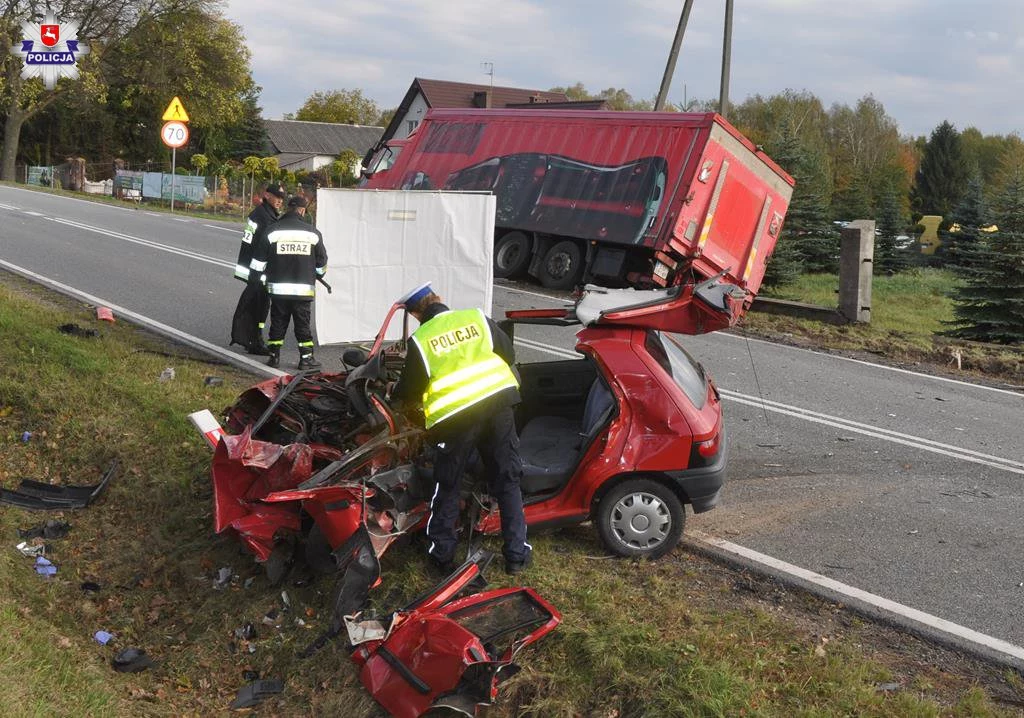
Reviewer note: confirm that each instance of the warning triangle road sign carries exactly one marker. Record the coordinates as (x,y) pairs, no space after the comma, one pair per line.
(175,111)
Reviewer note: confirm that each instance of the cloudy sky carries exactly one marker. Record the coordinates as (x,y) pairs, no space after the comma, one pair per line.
(925,60)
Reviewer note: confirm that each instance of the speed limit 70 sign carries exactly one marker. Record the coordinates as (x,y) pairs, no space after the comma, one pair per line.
(174,134)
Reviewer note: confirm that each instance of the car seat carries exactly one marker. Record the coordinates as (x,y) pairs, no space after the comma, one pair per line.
(550,446)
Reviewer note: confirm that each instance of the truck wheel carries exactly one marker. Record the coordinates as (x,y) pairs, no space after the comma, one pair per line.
(512,254)
(562,265)
(640,518)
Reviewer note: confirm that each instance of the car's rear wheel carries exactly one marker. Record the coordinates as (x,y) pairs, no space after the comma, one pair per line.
(512,254)
(640,518)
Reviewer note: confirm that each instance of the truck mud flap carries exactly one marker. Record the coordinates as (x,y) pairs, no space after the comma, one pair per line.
(36,495)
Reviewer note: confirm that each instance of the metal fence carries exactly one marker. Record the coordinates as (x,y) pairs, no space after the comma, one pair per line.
(151,183)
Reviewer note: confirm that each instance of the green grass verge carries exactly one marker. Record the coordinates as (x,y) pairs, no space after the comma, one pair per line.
(909,311)
(678,637)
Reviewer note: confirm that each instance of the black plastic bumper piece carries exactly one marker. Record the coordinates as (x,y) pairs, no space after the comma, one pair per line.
(256,692)
(39,496)
(703,486)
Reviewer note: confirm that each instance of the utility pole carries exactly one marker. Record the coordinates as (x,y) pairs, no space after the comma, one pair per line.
(723,95)
(670,66)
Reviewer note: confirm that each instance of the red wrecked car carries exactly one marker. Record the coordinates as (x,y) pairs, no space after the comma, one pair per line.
(446,649)
(625,436)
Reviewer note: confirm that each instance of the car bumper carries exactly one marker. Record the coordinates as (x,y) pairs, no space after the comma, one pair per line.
(702,486)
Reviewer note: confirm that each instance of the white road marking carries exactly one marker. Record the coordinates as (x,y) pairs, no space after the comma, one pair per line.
(149,243)
(70,199)
(516,290)
(996,462)
(181,219)
(905,612)
(740,337)
(33,214)
(877,432)
(223,229)
(7,206)
(537,346)
(145,321)
(993,644)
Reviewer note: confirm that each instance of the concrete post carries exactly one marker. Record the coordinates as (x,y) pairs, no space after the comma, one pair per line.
(856,258)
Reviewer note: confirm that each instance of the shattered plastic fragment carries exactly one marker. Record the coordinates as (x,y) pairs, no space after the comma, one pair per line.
(50,530)
(105,313)
(213,381)
(102,637)
(131,660)
(44,567)
(90,587)
(167,374)
(77,331)
(32,550)
(39,496)
(25,436)
(223,577)
(256,692)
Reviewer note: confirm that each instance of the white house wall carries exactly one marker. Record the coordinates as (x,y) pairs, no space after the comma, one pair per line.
(417,110)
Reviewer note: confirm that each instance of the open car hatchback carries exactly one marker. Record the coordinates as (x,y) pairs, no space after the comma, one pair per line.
(624,436)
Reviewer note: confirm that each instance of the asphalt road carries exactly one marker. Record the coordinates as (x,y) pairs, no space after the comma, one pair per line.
(901,484)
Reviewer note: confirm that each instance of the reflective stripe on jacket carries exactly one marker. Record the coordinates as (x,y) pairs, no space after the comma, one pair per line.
(462,367)
(292,255)
(261,217)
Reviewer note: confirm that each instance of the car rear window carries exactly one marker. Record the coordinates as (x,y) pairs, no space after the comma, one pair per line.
(685,371)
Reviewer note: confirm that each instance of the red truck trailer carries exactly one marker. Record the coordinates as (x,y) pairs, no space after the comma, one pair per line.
(640,199)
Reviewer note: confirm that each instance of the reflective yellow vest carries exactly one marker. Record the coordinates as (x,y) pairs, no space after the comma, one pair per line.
(462,368)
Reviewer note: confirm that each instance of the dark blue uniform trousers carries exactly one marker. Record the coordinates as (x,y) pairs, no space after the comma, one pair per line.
(493,434)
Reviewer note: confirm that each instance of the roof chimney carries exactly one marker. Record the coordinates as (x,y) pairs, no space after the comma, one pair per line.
(482,98)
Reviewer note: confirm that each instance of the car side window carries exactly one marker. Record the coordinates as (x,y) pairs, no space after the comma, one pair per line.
(685,371)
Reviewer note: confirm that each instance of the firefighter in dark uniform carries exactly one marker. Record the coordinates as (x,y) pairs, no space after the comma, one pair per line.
(291,255)
(251,313)
(459,363)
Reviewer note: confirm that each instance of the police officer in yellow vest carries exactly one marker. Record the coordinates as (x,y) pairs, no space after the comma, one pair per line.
(459,364)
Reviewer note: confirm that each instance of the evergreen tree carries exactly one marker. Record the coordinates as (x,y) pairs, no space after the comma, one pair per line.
(248,136)
(967,219)
(939,182)
(807,242)
(890,257)
(989,304)
(853,200)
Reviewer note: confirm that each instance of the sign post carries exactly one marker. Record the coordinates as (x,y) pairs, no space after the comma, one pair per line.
(174,134)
